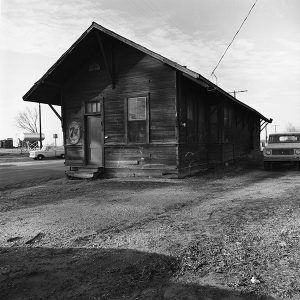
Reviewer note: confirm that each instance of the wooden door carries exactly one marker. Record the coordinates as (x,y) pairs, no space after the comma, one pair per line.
(94,143)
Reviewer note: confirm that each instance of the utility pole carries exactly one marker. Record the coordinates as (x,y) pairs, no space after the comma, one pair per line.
(40,121)
(55,137)
(275,126)
(235,92)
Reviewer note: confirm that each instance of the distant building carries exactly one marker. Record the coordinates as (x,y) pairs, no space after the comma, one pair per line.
(7,143)
(127,111)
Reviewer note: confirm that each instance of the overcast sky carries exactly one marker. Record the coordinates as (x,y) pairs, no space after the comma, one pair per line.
(264,59)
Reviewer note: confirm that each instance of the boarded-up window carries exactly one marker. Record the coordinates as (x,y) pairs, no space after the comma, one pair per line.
(137,120)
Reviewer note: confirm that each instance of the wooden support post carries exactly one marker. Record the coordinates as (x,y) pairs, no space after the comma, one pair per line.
(263,125)
(40,121)
(54,110)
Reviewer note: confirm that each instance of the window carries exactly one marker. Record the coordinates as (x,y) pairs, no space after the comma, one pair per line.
(92,107)
(288,138)
(137,120)
(137,109)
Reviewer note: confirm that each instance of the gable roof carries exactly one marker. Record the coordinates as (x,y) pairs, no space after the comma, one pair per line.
(47,89)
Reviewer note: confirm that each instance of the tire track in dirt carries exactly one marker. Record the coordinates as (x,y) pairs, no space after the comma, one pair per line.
(213,194)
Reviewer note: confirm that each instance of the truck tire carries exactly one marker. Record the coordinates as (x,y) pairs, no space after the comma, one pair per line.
(40,157)
(62,156)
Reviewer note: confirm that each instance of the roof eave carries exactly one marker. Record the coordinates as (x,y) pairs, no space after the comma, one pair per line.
(52,68)
(209,85)
(196,76)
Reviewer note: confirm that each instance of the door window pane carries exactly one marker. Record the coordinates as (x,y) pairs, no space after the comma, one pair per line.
(92,107)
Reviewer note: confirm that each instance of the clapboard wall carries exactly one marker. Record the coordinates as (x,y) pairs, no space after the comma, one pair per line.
(135,74)
(211,129)
(192,126)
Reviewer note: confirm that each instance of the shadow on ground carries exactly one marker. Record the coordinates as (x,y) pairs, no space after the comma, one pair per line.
(284,167)
(81,273)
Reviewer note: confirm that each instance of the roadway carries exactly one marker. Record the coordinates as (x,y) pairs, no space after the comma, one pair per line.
(29,173)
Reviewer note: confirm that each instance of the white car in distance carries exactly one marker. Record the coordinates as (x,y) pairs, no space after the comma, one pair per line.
(47,151)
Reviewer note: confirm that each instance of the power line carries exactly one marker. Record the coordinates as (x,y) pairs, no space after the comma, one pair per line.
(213,72)
(275,126)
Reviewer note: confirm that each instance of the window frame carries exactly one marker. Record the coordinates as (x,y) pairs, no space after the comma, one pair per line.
(126,119)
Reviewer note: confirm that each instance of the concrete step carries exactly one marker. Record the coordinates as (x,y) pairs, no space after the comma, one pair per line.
(84,173)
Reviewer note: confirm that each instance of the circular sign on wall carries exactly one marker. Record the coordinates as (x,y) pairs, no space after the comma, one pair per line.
(74,132)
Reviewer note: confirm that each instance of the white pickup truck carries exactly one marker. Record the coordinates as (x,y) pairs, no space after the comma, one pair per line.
(47,151)
(282,148)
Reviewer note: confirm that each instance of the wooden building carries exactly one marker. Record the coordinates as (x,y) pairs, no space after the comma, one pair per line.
(7,143)
(129,111)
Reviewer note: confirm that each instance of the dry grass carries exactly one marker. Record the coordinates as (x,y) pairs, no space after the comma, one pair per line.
(204,236)
(13,155)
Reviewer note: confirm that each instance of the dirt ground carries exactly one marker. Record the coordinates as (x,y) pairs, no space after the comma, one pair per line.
(231,234)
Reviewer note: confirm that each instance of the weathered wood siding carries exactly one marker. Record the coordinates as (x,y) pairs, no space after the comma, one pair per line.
(211,129)
(188,126)
(234,131)
(192,126)
(241,132)
(134,74)
(85,85)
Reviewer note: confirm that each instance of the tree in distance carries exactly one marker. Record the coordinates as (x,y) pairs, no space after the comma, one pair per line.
(28,120)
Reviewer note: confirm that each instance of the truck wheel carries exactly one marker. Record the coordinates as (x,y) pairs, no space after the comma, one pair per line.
(62,156)
(267,165)
(40,157)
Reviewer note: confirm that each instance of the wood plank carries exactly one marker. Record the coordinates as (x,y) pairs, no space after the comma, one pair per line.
(103,52)
(136,74)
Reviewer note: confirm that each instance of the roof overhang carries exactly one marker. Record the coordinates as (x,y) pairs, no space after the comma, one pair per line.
(48,89)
